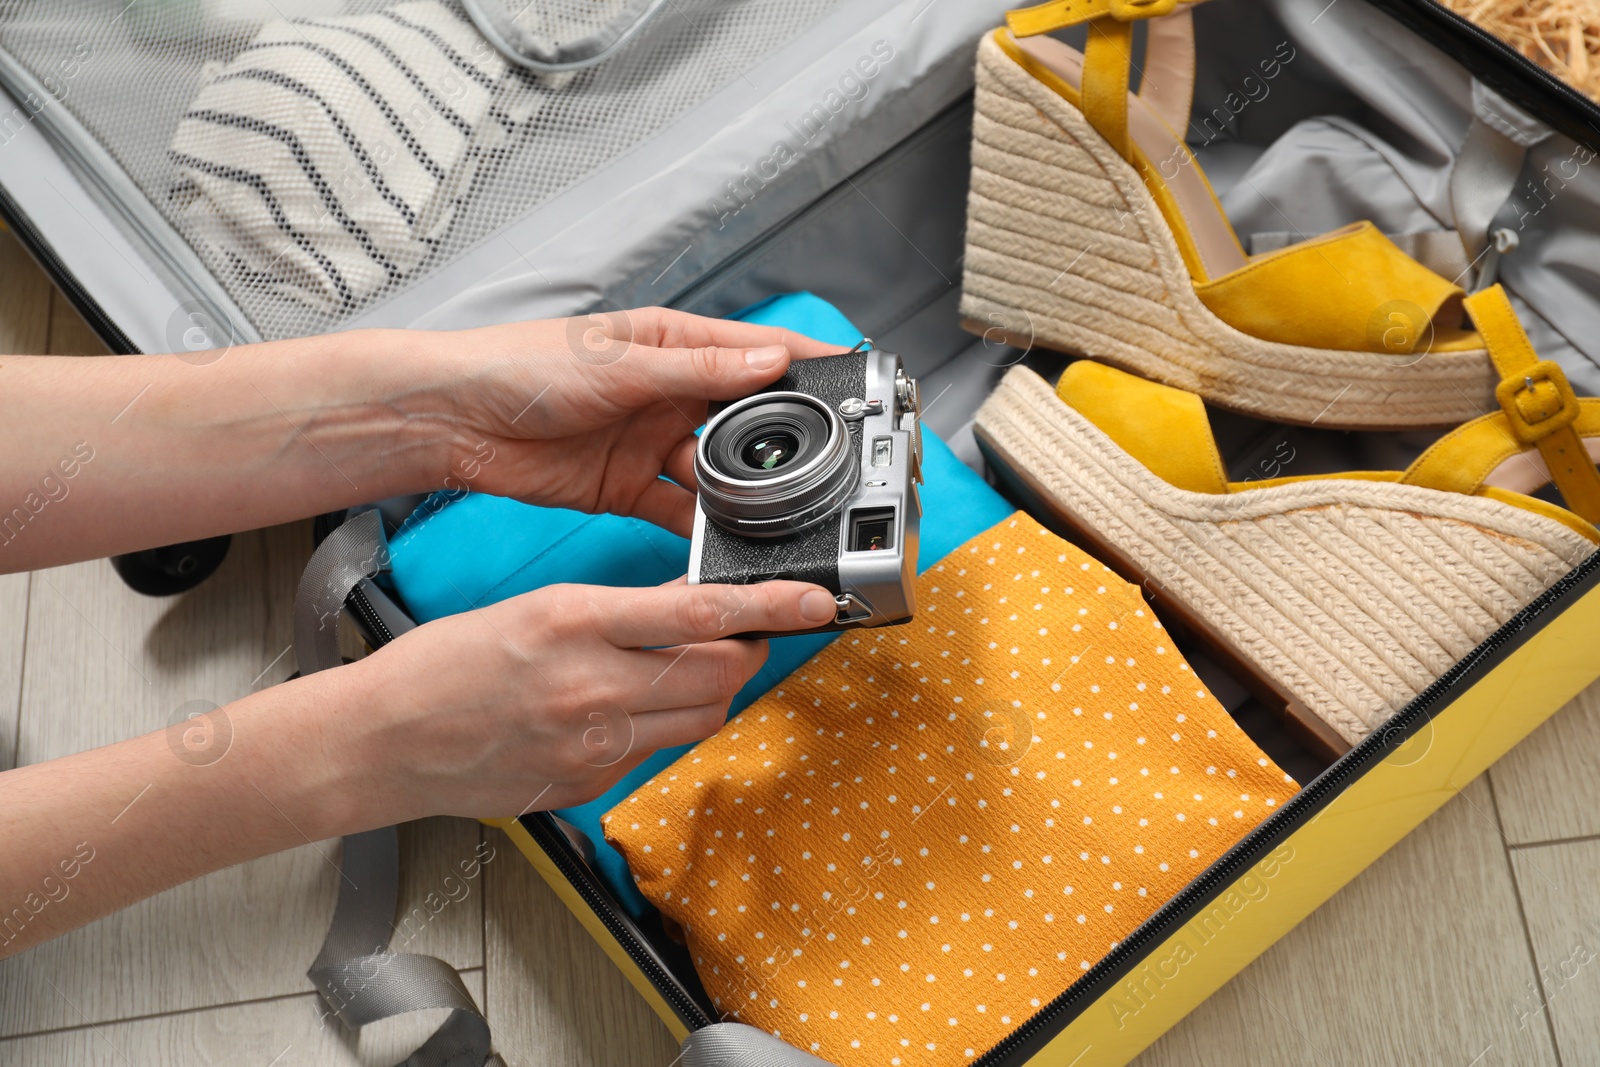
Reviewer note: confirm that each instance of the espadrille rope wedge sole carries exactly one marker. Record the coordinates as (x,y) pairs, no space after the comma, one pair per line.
(1342,597)
(1091,230)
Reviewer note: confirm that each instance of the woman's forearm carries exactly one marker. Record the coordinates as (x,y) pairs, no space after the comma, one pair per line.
(117,454)
(90,833)
(491,711)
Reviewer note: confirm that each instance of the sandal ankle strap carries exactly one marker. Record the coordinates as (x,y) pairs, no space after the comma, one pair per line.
(1059,14)
(1108,57)
(1537,403)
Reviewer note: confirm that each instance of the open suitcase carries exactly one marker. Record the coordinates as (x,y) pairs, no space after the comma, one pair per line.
(825,148)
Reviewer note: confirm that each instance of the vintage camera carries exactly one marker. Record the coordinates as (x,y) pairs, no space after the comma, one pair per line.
(815,479)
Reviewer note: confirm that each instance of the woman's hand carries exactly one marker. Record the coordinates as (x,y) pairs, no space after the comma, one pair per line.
(542,701)
(537,702)
(585,413)
(545,700)
(588,412)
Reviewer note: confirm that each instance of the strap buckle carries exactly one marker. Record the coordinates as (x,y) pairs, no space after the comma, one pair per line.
(1538,402)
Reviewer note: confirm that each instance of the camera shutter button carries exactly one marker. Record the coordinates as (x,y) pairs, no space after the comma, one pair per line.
(854,408)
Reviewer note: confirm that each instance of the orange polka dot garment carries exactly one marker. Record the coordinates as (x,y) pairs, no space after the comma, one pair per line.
(929,831)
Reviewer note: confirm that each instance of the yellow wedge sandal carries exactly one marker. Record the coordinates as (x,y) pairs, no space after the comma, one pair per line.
(1344,596)
(1091,229)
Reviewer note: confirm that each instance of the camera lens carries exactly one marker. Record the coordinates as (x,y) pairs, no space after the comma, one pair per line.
(770,450)
(765,437)
(774,463)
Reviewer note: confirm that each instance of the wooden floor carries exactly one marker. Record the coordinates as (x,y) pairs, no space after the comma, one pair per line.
(1473,943)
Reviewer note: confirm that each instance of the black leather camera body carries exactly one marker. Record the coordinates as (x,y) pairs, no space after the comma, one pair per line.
(815,479)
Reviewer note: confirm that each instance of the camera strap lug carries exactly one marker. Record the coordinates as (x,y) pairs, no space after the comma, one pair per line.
(849,609)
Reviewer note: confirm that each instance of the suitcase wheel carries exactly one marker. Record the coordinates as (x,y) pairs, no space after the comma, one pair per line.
(172,569)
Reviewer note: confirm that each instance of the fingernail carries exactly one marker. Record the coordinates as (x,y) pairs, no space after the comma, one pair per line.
(765,358)
(817,606)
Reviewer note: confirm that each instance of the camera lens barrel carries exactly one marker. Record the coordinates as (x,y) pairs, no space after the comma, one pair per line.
(774,463)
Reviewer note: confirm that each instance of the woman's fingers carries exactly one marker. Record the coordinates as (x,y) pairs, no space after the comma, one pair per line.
(615,741)
(679,464)
(594,785)
(679,329)
(645,375)
(690,614)
(669,506)
(678,726)
(660,353)
(659,679)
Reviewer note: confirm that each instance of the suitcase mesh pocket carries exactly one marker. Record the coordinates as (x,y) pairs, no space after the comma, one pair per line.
(319,158)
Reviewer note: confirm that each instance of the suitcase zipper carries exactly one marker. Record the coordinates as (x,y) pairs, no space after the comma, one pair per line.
(1050,1020)
(554,844)
(366,615)
(1432,20)
(581,878)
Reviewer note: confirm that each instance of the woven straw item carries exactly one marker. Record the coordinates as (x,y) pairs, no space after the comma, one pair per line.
(1562,36)
(1351,595)
(1066,248)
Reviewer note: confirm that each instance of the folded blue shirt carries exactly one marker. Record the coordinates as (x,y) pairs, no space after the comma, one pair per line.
(459,552)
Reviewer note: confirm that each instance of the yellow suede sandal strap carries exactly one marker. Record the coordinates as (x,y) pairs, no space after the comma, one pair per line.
(1465,459)
(1165,429)
(1460,461)
(1108,56)
(1059,14)
(1537,402)
(1351,290)
(1475,456)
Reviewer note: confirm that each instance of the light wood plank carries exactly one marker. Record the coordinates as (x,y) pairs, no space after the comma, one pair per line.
(25,294)
(1416,961)
(553,995)
(287,1032)
(118,664)
(1546,786)
(1558,893)
(110,664)
(13,629)
(441,907)
(69,334)
(244,933)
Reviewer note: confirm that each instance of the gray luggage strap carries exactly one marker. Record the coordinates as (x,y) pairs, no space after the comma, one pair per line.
(360,980)
(739,1045)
